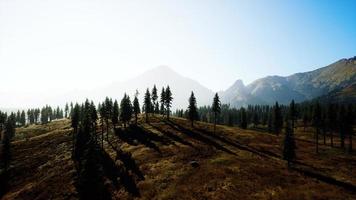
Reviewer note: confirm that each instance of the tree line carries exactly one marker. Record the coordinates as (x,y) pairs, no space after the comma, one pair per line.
(328,120)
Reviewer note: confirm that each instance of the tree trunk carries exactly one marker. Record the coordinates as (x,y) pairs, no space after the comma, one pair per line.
(136,119)
(331,139)
(214,123)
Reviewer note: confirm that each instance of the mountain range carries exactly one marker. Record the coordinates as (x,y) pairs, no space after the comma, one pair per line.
(335,82)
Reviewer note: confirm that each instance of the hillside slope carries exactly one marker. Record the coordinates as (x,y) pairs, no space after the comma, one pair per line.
(171,160)
(300,86)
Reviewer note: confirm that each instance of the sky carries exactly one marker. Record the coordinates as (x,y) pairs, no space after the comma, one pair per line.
(49,47)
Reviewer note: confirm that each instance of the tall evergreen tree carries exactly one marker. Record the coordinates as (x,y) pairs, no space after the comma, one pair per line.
(75,122)
(168,100)
(163,100)
(350,118)
(277,119)
(23,118)
(9,132)
(243,118)
(192,109)
(216,107)
(147,103)
(317,124)
(115,114)
(292,113)
(342,124)
(331,119)
(66,110)
(289,145)
(126,110)
(136,108)
(154,97)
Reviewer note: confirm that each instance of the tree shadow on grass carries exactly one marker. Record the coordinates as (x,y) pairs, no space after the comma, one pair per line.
(172,136)
(119,175)
(141,135)
(197,136)
(128,161)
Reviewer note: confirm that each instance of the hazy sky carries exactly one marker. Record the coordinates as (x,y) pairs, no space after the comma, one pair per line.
(56,46)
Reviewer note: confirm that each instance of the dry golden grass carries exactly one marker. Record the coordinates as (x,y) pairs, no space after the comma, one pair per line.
(232,164)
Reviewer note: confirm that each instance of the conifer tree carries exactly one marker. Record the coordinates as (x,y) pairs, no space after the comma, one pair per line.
(94,118)
(126,110)
(216,107)
(168,100)
(163,100)
(154,98)
(115,114)
(342,124)
(108,107)
(349,122)
(243,118)
(192,109)
(101,108)
(331,119)
(147,103)
(23,118)
(292,113)
(136,107)
(9,132)
(269,123)
(277,119)
(66,110)
(317,124)
(289,145)
(75,122)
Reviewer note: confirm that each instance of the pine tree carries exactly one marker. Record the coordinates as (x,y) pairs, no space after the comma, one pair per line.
(101,108)
(108,107)
(154,98)
(192,109)
(94,118)
(75,121)
(349,122)
(147,103)
(292,113)
(243,118)
(115,114)
(331,118)
(9,132)
(317,124)
(23,118)
(342,124)
(289,145)
(163,100)
(277,119)
(269,123)
(216,107)
(66,110)
(126,110)
(136,108)
(168,100)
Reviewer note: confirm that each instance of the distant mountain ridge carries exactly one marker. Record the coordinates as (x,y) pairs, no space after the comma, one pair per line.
(299,86)
(335,82)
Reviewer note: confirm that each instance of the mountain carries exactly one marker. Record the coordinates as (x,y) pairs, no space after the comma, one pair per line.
(161,76)
(333,79)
